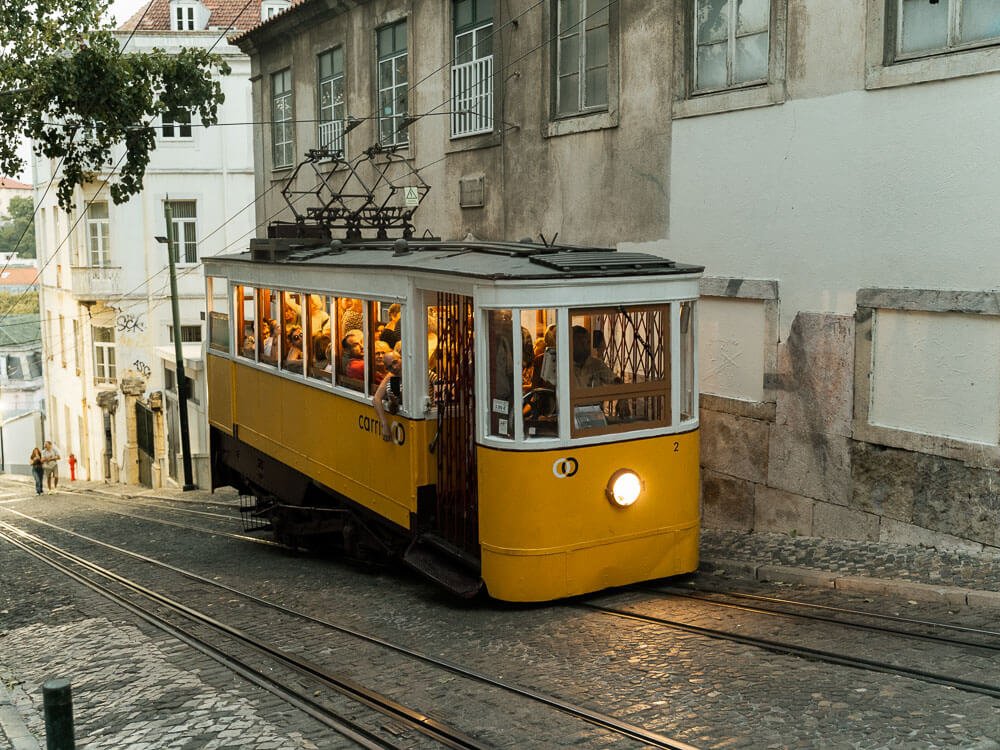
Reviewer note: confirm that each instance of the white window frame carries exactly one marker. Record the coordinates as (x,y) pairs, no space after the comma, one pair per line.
(394,86)
(176,126)
(98,237)
(282,125)
(179,231)
(104,356)
(330,118)
(472,83)
(183,17)
(271,8)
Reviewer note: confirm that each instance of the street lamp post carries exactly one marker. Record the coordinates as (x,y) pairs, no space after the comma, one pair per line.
(169,240)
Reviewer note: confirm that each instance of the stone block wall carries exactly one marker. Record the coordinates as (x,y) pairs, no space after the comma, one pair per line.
(797,468)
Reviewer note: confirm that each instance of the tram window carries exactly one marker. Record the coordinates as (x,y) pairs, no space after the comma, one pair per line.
(320,343)
(432,346)
(269,310)
(540,405)
(244,303)
(292,335)
(218,315)
(385,333)
(499,326)
(687,360)
(350,346)
(620,369)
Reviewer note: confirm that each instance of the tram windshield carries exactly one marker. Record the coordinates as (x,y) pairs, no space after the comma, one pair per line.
(620,368)
(617,370)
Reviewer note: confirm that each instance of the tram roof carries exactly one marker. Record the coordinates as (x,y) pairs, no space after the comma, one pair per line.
(479,259)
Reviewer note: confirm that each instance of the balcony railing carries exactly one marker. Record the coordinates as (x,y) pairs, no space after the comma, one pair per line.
(331,136)
(472,97)
(95,282)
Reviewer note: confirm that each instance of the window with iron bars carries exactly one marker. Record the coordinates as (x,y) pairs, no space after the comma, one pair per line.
(331,98)
(472,68)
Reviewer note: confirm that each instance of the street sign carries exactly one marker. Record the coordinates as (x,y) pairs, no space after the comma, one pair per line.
(410,196)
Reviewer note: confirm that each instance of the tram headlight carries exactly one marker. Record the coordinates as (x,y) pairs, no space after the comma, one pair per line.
(623,488)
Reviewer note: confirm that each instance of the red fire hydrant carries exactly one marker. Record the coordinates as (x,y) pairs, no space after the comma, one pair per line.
(72,467)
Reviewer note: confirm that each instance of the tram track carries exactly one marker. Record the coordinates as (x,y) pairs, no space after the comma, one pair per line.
(300,697)
(603,721)
(812,610)
(789,648)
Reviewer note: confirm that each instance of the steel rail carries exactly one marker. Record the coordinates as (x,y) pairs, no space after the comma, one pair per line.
(804,652)
(843,610)
(418,720)
(299,699)
(610,723)
(701,597)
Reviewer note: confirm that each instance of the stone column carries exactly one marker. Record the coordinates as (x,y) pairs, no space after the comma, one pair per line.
(108,401)
(133,385)
(159,439)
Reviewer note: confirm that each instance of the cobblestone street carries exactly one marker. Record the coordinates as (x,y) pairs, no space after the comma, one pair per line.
(137,687)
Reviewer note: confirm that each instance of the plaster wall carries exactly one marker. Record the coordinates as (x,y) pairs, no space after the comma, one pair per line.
(592,179)
(891,188)
(879,413)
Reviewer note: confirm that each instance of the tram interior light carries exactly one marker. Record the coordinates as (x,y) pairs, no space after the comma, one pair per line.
(624,488)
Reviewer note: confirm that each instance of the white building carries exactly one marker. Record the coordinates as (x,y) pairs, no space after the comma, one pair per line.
(105,284)
(836,172)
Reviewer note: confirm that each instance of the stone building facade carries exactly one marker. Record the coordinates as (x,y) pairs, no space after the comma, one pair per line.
(104,280)
(831,164)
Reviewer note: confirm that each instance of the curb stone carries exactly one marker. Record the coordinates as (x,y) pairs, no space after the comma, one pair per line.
(921,592)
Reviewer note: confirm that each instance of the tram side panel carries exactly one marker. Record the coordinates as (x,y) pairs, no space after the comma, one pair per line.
(333,440)
(549,531)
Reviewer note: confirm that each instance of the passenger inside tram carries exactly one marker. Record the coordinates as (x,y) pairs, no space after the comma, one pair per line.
(353,355)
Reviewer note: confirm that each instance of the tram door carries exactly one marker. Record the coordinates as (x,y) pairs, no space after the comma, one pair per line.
(453,382)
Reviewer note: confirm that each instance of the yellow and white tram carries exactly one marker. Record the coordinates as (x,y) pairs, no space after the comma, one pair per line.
(546,438)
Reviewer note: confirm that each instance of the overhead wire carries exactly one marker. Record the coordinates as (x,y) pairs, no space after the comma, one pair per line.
(104,184)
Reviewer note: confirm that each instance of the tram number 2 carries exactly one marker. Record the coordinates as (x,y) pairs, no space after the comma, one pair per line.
(677,447)
(564,468)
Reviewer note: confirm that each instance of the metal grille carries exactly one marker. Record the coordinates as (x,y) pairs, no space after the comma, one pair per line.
(454,394)
(144,437)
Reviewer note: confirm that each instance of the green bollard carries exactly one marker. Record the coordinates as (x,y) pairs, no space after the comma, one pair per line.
(58,703)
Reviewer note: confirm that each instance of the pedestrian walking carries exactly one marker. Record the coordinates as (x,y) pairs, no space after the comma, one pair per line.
(37,469)
(50,461)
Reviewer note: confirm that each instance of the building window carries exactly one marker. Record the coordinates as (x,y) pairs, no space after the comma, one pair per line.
(185,233)
(282,132)
(62,341)
(731,44)
(104,354)
(582,57)
(924,28)
(183,17)
(35,365)
(271,8)
(14,368)
(393,77)
(188,333)
(177,125)
(472,71)
(330,69)
(98,231)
